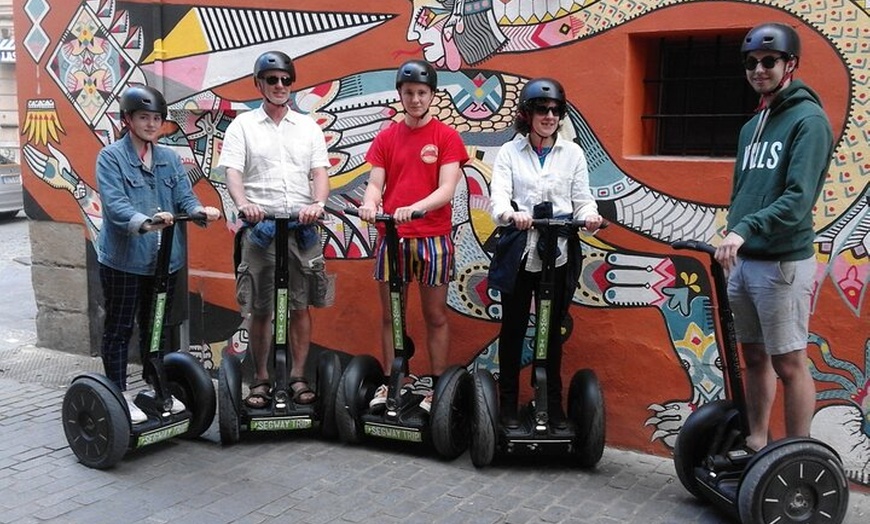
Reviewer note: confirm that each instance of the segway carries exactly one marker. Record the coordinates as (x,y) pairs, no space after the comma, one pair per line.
(790,480)
(96,419)
(582,438)
(281,413)
(402,418)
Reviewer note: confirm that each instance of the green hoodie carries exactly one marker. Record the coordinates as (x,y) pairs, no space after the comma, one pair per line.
(782,159)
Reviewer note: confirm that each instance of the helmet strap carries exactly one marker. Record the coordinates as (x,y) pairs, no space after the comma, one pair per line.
(786,79)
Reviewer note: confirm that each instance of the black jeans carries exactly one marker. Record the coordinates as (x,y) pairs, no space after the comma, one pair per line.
(511,339)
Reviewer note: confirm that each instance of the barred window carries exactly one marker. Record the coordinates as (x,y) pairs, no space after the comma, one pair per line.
(700,96)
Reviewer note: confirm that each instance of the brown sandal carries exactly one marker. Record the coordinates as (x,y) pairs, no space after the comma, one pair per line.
(259,395)
(303,395)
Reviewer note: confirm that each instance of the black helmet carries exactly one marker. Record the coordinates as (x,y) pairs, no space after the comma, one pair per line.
(772,37)
(142,98)
(274,60)
(417,71)
(542,88)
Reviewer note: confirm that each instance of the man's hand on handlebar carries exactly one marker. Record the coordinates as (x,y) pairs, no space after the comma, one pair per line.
(252,213)
(311,213)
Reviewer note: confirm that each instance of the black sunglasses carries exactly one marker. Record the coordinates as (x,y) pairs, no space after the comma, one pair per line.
(768,62)
(542,110)
(272,80)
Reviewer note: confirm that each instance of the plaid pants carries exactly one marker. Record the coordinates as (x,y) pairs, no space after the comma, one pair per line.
(128,297)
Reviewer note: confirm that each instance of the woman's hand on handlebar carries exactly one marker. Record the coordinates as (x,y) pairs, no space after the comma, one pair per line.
(593,222)
(160,220)
(520,219)
(404,214)
(211,213)
(367,212)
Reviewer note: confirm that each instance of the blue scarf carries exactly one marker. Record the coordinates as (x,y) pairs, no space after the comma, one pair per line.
(263,232)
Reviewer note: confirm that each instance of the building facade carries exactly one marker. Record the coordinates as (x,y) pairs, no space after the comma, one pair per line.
(656,93)
(9,141)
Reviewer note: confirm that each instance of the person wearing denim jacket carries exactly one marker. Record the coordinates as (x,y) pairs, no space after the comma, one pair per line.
(142,187)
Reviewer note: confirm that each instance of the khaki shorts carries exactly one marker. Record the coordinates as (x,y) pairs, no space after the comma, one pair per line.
(309,284)
(771,302)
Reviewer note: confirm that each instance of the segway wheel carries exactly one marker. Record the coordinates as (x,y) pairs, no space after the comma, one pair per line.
(695,438)
(229,400)
(96,422)
(355,389)
(483,418)
(799,481)
(450,410)
(190,383)
(586,411)
(328,377)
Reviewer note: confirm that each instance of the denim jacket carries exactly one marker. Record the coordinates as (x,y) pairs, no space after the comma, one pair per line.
(131,193)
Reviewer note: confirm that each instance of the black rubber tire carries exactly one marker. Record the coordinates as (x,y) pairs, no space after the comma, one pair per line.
(800,481)
(96,421)
(190,383)
(229,400)
(483,418)
(328,378)
(450,413)
(355,389)
(694,440)
(586,411)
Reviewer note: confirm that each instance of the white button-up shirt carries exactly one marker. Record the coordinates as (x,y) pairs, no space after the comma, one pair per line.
(517,175)
(275,160)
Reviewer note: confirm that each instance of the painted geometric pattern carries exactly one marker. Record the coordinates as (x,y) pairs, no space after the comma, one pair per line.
(88,65)
(233,28)
(36,41)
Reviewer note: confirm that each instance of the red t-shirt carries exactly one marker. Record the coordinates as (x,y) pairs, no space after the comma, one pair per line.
(412,159)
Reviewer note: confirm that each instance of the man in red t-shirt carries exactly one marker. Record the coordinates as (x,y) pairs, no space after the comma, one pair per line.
(416,164)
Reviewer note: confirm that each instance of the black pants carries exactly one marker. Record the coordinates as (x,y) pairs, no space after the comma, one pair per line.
(129,297)
(511,339)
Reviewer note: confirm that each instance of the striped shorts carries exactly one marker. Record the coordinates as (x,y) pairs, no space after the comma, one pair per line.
(428,260)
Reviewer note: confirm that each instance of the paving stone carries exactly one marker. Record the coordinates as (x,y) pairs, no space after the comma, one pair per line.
(299,478)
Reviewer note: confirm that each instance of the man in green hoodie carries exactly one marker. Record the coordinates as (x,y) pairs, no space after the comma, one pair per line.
(782,159)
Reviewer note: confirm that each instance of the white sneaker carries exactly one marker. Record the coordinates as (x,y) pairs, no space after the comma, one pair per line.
(426,403)
(380,397)
(137,416)
(177,406)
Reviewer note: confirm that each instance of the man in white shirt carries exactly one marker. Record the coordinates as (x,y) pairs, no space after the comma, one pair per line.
(276,162)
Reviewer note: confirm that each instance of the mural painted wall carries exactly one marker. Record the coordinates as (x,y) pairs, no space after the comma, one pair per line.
(640,317)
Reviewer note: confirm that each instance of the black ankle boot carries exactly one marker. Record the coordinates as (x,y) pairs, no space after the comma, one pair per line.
(557,416)
(509,417)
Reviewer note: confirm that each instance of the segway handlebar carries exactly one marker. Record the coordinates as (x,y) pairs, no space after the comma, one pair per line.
(382,217)
(694,245)
(274,216)
(182,217)
(559,222)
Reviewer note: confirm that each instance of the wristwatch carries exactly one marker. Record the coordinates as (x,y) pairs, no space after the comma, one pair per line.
(320,203)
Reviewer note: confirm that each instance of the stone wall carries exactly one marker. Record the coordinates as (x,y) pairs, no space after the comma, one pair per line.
(60,285)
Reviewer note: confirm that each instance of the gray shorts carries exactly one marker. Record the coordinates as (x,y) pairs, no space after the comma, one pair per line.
(309,283)
(771,302)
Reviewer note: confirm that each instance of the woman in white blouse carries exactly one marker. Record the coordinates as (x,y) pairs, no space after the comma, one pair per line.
(535,175)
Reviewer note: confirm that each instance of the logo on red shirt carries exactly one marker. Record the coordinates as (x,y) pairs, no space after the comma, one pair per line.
(429,154)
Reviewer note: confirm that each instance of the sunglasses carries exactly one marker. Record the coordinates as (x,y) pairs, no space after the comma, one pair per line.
(272,80)
(541,110)
(768,62)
